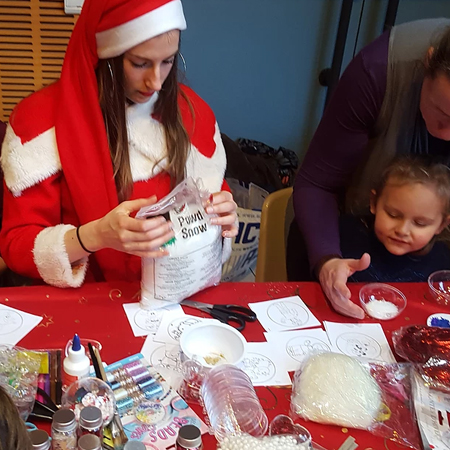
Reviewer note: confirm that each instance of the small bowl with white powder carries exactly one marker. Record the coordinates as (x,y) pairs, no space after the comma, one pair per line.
(382,301)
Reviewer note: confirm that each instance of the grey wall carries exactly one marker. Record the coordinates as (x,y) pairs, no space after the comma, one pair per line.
(256,62)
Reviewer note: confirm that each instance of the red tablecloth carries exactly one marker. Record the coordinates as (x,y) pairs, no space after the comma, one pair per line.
(95,311)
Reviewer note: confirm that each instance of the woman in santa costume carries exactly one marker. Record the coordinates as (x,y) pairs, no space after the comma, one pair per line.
(114,134)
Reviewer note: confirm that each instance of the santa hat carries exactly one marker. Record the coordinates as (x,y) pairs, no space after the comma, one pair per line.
(105,28)
(130,24)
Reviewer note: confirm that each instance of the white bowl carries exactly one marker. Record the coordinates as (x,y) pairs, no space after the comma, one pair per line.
(213,343)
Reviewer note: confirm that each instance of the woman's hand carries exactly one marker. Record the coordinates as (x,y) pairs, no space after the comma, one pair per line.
(121,232)
(333,279)
(222,204)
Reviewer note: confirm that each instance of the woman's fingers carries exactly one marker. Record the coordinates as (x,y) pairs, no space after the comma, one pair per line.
(222,204)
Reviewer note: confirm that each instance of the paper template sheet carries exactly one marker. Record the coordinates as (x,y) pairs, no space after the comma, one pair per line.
(144,322)
(172,326)
(295,346)
(15,324)
(363,340)
(165,358)
(284,314)
(264,364)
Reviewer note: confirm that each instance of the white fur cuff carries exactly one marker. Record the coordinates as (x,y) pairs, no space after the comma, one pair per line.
(52,261)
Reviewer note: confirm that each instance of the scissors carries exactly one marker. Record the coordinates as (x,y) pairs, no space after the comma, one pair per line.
(225,313)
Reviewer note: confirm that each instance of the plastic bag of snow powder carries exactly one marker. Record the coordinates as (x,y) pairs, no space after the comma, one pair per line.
(195,253)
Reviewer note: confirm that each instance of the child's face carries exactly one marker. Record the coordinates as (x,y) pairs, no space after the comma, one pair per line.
(407,216)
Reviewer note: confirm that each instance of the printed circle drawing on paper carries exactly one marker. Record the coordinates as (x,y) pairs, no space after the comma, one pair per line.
(288,314)
(10,321)
(148,320)
(258,367)
(167,357)
(177,326)
(356,344)
(300,346)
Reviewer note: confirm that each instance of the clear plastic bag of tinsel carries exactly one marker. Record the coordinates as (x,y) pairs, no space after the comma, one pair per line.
(428,348)
(19,370)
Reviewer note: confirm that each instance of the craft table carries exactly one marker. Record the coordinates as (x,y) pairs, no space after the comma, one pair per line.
(95,311)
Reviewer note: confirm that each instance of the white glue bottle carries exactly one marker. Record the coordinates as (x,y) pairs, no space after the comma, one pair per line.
(76,364)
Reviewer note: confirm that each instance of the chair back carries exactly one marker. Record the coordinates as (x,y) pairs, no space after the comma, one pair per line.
(276,216)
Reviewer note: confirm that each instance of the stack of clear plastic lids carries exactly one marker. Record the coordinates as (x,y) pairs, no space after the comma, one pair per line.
(231,403)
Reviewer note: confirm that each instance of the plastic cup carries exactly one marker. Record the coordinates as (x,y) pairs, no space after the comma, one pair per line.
(232,404)
(283,425)
(439,286)
(382,301)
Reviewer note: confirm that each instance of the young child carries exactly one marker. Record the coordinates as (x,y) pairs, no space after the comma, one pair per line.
(410,207)
(13,432)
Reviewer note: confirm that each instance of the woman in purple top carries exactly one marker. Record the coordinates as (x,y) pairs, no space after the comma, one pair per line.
(393,98)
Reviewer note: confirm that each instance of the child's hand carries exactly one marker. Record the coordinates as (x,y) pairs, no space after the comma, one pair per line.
(333,278)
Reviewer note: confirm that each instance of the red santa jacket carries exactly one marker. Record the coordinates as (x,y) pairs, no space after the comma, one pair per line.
(38,207)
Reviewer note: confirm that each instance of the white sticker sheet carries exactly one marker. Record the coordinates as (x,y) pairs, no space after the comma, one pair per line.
(296,346)
(363,340)
(284,314)
(143,321)
(264,364)
(15,324)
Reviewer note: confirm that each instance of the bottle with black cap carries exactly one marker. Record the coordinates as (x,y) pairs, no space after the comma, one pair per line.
(89,442)
(189,437)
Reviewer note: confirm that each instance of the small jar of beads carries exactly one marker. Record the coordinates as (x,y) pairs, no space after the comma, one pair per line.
(91,422)
(64,430)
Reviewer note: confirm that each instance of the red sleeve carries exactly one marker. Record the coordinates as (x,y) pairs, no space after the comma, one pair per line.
(202,137)
(24,217)
(225,186)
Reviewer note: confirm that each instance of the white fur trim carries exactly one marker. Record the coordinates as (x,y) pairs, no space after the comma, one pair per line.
(52,261)
(148,146)
(210,170)
(25,165)
(147,141)
(118,40)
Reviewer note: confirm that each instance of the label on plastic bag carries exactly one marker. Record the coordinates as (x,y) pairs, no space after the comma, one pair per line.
(193,262)
(432,414)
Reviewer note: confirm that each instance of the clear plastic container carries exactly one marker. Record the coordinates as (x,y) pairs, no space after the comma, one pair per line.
(40,440)
(89,442)
(91,421)
(382,301)
(64,430)
(439,286)
(232,404)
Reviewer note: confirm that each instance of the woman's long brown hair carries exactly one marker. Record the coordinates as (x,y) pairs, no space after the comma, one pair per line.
(111,82)
(13,432)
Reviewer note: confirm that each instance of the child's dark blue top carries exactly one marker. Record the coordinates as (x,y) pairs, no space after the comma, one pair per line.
(358,237)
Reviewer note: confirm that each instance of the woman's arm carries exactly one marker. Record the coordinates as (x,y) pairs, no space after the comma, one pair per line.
(119,231)
(337,148)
